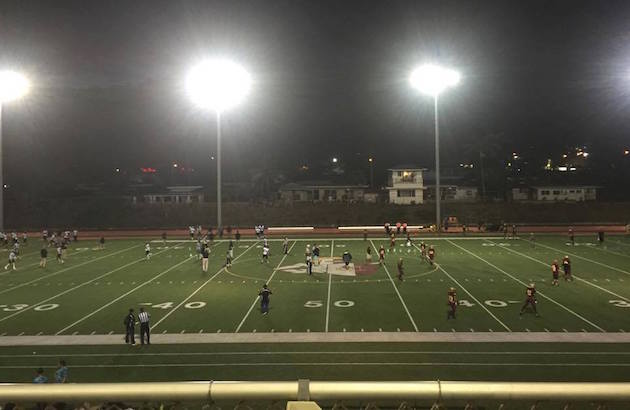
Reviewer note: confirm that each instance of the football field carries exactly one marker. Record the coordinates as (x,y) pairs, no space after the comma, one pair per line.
(336,323)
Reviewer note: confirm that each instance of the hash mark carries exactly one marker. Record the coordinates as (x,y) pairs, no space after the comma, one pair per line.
(39,333)
(472,330)
(163,332)
(200,330)
(182,332)
(452,330)
(398,329)
(527,330)
(21,334)
(93,332)
(491,331)
(290,330)
(362,329)
(219,331)
(111,332)
(565,330)
(546,330)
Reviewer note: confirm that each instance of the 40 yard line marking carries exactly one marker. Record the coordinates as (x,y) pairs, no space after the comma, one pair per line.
(332,252)
(198,289)
(67,269)
(396,289)
(258,297)
(524,284)
(471,295)
(576,277)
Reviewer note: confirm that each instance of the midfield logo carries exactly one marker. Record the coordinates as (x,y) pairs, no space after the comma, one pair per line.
(332,266)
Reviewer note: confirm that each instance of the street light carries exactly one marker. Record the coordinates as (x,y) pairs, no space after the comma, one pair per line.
(432,80)
(218,85)
(13,86)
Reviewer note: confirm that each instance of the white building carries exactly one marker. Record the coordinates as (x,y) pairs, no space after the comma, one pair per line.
(453,193)
(405,185)
(173,195)
(323,192)
(564,193)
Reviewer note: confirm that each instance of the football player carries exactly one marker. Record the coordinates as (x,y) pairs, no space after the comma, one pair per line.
(566,267)
(147,251)
(381,255)
(423,250)
(392,242)
(265,254)
(431,254)
(401,271)
(571,236)
(452,303)
(555,271)
(530,299)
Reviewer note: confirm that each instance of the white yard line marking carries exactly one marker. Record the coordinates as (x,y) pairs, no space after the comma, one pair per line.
(525,285)
(584,258)
(89,315)
(267,282)
(198,289)
(396,289)
(576,277)
(332,252)
(506,327)
(71,289)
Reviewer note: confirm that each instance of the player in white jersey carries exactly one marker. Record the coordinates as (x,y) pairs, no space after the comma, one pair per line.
(265,254)
(12,260)
(191,231)
(147,250)
(59,254)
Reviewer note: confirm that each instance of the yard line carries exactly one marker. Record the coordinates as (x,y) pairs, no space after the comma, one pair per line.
(396,289)
(37,263)
(332,252)
(576,277)
(123,295)
(471,295)
(72,289)
(199,288)
(583,258)
(524,284)
(67,269)
(258,297)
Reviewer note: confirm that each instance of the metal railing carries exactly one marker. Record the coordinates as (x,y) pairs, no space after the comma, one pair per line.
(305,390)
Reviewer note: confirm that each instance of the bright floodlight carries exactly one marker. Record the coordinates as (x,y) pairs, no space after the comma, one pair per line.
(432,80)
(218,84)
(12,86)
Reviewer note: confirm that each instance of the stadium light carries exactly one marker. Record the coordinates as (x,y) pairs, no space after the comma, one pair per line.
(218,85)
(432,80)
(13,86)
(335,160)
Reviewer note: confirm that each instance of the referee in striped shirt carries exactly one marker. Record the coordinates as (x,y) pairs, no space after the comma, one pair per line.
(145,330)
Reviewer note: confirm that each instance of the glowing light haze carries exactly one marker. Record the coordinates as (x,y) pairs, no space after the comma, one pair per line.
(432,79)
(218,84)
(13,86)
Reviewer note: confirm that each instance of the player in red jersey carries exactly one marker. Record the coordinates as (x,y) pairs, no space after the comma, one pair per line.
(392,242)
(431,254)
(423,250)
(566,267)
(381,255)
(531,299)
(555,271)
(452,303)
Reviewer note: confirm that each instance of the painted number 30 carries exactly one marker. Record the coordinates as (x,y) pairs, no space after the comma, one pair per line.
(319,303)
(619,303)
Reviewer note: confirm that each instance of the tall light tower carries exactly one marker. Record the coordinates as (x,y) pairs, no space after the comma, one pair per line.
(432,80)
(218,85)
(13,86)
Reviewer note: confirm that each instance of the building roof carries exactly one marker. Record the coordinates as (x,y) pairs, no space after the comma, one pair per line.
(306,185)
(403,167)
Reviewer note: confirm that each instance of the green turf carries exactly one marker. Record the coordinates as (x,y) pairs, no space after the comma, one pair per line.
(92,291)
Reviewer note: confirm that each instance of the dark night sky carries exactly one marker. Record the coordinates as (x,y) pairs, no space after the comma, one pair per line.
(330,79)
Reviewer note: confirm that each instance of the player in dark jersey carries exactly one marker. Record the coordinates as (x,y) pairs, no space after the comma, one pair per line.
(555,271)
(264,299)
(401,271)
(514,231)
(423,250)
(571,236)
(566,267)
(505,231)
(205,254)
(381,255)
(43,253)
(530,299)
(102,242)
(237,236)
(164,238)
(452,303)
(368,255)
(347,258)
(431,254)
(392,242)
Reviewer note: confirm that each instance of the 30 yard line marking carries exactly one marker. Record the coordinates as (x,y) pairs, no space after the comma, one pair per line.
(583,258)
(576,277)
(332,252)
(238,328)
(396,289)
(67,269)
(198,289)
(472,296)
(26,309)
(524,284)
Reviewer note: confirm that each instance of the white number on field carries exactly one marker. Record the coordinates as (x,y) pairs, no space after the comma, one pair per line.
(464,302)
(319,303)
(495,303)
(492,303)
(169,305)
(22,306)
(619,303)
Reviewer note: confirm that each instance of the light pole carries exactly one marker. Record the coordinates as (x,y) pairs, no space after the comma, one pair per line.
(12,86)
(432,80)
(218,85)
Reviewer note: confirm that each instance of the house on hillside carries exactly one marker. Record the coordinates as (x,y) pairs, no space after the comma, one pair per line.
(180,194)
(564,193)
(323,191)
(405,185)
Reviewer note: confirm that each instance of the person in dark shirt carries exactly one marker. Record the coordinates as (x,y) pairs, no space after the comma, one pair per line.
(530,299)
(264,299)
(130,327)
(566,266)
(44,257)
(452,303)
(401,271)
(205,254)
(347,258)
(237,235)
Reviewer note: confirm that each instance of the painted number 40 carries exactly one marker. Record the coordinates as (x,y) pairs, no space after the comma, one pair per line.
(319,303)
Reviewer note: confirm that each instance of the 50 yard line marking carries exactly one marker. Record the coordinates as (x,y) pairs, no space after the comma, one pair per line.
(332,252)
(198,289)
(470,294)
(73,288)
(576,277)
(66,269)
(524,284)
(258,297)
(397,292)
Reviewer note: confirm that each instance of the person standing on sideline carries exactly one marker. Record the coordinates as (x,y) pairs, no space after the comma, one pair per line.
(145,329)
(285,245)
(61,374)
(347,258)
(309,264)
(40,378)
(205,254)
(237,236)
(43,257)
(264,299)
(130,328)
